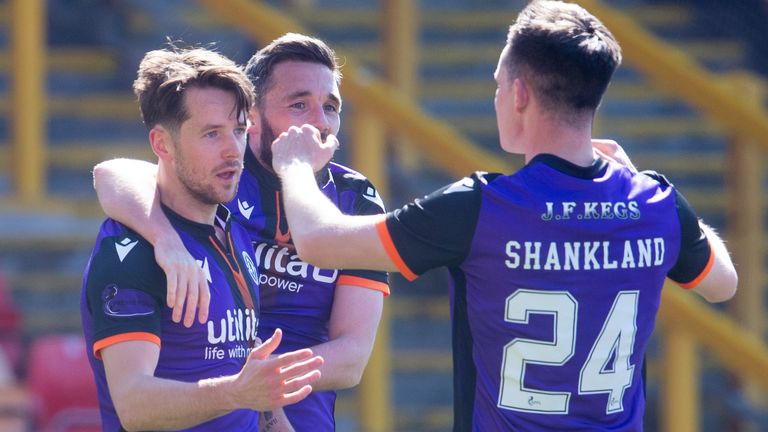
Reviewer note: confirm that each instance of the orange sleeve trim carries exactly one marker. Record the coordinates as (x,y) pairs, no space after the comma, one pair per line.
(364,283)
(704,273)
(389,247)
(123,337)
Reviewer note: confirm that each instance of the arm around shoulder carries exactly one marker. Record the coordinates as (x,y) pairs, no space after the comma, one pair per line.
(127,192)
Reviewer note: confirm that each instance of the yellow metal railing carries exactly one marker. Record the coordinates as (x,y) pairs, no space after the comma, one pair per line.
(676,72)
(27,91)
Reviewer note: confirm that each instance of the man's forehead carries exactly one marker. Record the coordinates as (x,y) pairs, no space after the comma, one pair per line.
(211,106)
(293,78)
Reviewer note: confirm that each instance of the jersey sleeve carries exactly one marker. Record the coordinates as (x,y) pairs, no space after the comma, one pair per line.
(125,291)
(367,202)
(696,255)
(434,231)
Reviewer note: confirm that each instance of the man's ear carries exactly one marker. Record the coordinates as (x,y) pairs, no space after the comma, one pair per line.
(522,94)
(254,122)
(161,142)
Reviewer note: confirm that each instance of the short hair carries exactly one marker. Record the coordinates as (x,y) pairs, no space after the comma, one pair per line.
(567,55)
(289,47)
(164,75)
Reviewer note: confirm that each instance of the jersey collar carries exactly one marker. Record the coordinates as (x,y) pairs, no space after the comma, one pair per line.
(596,170)
(197,229)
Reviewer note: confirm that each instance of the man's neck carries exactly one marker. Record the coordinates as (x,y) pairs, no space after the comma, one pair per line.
(177,198)
(571,144)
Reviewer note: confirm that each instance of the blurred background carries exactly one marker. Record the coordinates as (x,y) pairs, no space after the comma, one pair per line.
(689,101)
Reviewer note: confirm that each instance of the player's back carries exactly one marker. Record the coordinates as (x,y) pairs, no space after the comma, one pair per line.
(563,284)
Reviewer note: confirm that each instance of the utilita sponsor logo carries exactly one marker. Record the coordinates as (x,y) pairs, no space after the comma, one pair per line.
(239,325)
(281,259)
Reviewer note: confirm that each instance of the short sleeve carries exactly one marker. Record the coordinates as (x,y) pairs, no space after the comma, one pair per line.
(437,230)
(125,291)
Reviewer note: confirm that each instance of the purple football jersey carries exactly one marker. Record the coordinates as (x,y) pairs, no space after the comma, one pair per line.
(123,298)
(295,296)
(557,276)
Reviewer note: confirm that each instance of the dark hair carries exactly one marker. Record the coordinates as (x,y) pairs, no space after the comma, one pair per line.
(291,46)
(164,75)
(567,55)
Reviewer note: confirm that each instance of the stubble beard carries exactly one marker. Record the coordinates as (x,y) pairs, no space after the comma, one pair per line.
(201,191)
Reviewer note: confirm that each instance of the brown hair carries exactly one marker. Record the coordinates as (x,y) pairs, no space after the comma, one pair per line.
(567,55)
(165,74)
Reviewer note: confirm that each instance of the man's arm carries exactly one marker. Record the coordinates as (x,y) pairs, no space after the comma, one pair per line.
(352,330)
(719,284)
(274,421)
(127,192)
(145,402)
(323,236)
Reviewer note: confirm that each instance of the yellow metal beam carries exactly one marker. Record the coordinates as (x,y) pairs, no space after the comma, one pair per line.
(678,73)
(367,154)
(744,354)
(680,387)
(27,92)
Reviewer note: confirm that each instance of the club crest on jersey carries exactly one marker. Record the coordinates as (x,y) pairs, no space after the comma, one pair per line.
(126,302)
(251,267)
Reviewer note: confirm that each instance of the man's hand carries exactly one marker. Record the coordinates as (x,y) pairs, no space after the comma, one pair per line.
(187,281)
(269,382)
(612,151)
(302,145)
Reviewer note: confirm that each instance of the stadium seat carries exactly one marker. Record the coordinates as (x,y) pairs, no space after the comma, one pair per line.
(62,386)
(10,336)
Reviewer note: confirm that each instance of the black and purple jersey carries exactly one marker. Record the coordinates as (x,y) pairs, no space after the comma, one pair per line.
(557,273)
(295,296)
(123,299)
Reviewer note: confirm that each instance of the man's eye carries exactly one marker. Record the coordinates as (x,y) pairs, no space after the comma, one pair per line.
(299,105)
(212,134)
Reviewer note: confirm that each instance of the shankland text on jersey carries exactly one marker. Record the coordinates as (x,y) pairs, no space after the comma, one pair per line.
(585,255)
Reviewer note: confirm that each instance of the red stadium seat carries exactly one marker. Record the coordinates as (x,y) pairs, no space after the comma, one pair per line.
(10,332)
(62,386)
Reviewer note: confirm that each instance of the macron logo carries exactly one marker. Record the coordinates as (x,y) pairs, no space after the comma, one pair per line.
(124,246)
(245,209)
(204,265)
(373,196)
(464,185)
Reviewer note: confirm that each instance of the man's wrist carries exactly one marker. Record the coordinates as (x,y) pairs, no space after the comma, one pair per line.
(221,390)
(296,167)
